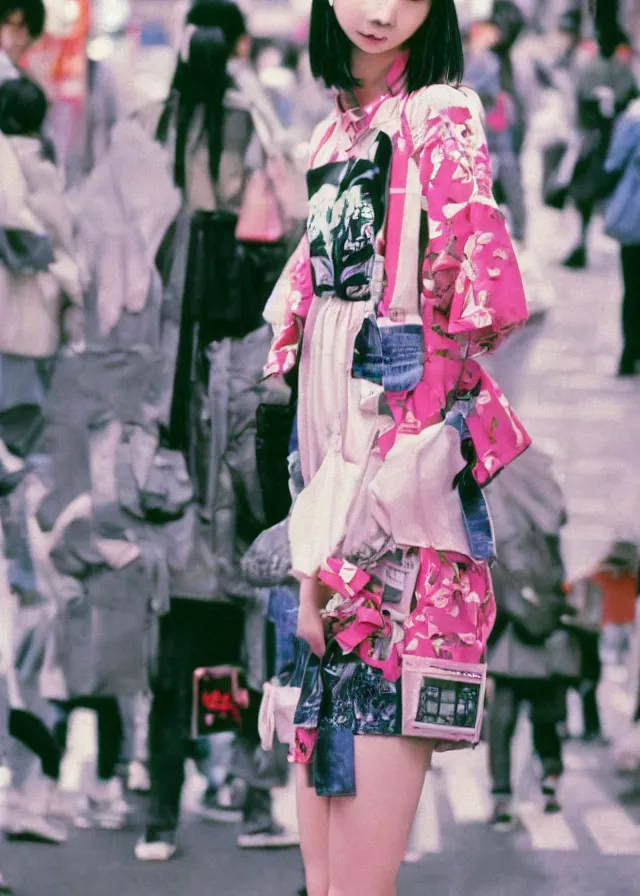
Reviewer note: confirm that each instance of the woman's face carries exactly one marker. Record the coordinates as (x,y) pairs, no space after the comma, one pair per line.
(380,26)
(15,39)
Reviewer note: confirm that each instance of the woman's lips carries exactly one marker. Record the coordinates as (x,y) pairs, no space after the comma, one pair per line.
(372,38)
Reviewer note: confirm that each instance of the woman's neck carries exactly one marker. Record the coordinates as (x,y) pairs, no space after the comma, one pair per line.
(371,71)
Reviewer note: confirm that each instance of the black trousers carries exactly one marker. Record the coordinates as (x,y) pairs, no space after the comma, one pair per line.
(34,734)
(109,724)
(193,634)
(630,258)
(590,674)
(547,701)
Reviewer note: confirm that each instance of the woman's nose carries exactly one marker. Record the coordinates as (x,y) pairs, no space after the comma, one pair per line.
(382,12)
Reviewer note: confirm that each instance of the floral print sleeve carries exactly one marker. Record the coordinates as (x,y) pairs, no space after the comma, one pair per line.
(293,292)
(472,292)
(472,288)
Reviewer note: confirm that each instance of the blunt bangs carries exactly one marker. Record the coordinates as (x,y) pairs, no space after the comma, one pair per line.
(436,55)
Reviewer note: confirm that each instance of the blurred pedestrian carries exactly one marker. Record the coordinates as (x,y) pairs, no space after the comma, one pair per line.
(483,72)
(605,596)
(604,87)
(622,222)
(21,24)
(532,658)
(220,130)
(40,298)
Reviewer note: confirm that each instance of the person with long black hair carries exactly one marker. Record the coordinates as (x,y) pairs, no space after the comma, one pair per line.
(218,127)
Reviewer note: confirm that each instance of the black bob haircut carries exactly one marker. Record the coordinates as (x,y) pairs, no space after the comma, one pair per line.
(33,13)
(436,55)
(23,107)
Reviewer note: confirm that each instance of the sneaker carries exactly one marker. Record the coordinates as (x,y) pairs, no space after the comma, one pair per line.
(272,837)
(28,815)
(550,796)
(138,780)
(156,846)
(106,807)
(259,830)
(502,819)
(64,805)
(32,828)
(226,803)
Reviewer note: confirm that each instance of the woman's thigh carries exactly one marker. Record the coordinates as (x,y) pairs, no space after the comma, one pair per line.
(368,833)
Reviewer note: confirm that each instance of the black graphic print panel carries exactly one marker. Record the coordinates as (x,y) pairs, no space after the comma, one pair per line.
(347,204)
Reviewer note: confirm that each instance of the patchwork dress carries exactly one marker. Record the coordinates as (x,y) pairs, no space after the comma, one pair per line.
(406,274)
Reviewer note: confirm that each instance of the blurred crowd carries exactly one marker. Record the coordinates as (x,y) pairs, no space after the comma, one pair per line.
(145,462)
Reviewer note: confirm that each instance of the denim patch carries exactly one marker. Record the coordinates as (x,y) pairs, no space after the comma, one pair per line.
(389,354)
(367,353)
(334,770)
(475,513)
(342,697)
(475,510)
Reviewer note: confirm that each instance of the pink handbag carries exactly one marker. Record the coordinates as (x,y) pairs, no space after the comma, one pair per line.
(261,219)
(443,699)
(275,196)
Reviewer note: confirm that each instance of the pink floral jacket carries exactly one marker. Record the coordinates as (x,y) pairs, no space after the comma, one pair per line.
(471,295)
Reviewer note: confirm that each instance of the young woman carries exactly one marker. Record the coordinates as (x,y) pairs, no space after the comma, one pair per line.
(406,273)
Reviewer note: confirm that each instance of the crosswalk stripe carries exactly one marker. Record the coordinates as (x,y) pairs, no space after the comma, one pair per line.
(467,794)
(579,762)
(547,832)
(581,790)
(613,831)
(425,836)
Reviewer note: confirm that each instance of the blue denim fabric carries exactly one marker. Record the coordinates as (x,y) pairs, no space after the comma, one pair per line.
(475,511)
(283,613)
(334,768)
(343,697)
(390,355)
(294,442)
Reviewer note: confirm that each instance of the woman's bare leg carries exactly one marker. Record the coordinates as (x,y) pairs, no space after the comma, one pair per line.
(313,823)
(369,832)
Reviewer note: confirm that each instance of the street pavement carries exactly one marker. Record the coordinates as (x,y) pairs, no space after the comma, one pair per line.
(560,376)
(591,849)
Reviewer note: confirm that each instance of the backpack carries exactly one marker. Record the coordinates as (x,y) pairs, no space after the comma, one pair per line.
(529,594)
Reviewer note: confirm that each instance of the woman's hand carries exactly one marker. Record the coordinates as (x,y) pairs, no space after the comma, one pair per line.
(313,597)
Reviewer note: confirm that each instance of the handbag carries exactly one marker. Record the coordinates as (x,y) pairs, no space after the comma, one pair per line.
(275,196)
(622,217)
(261,219)
(277,711)
(220,700)
(443,699)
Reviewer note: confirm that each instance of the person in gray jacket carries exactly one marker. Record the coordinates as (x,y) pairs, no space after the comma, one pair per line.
(532,658)
(210,131)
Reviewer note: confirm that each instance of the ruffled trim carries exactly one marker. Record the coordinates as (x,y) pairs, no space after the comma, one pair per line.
(287,311)
(452,618)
